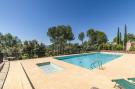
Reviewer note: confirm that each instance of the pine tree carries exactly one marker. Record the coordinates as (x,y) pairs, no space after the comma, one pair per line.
(125,37)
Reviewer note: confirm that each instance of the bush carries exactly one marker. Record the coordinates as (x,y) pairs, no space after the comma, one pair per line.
(117,47)
(92,48)
(132,48)
(105,47)
(24,56)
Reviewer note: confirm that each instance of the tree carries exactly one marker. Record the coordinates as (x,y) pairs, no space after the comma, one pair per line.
(69,37)
(115,39)
(101,37)
(92,36)
(69,34)
(10,45)
(85,45)
(118,36)
(52,35)
(81,37)
(59,35)
(125,37)
(130,37)
(41,49)
(32,49)
(96,37)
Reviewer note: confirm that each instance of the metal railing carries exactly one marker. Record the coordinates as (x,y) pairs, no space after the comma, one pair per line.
(96,64)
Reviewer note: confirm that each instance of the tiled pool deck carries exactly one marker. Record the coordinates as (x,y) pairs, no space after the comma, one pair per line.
(72,77)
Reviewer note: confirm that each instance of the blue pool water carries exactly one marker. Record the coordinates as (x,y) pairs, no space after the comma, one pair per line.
(92,60)
(49,67)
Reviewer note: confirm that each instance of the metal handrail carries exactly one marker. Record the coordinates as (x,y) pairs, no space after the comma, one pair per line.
(92,66)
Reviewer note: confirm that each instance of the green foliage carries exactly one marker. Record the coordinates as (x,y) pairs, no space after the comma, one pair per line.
(117,47)
(33,49)
(132,48)
(81,37)
(105,46)
(130,37)
(92,48)
(40,51)
(92,36)
(101,37)
(24,56)
(85,45)
(96,37)
(12,46)
(120,39)
(125,37)
(76,48)
(118,36)
(115,40)
(59,36)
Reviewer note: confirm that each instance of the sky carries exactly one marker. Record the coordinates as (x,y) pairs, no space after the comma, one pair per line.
(30,19)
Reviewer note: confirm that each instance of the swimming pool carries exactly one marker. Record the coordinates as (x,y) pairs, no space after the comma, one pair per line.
(92,60)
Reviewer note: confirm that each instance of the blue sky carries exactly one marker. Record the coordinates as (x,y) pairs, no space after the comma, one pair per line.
(30,19)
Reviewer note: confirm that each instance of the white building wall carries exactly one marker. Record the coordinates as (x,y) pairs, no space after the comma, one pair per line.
(128,46)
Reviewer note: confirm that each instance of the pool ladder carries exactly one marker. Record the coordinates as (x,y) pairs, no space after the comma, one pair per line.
(99,63)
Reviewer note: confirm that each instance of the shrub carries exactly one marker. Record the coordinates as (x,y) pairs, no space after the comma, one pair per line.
(24,56)
(132,48)
(92,48)
(105,46)
(117,47)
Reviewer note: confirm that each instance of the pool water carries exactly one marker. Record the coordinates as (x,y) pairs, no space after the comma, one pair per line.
(88,61)
(49,67)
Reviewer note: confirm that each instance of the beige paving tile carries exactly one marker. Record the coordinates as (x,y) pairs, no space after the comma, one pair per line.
(72,77)
(16,78)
